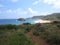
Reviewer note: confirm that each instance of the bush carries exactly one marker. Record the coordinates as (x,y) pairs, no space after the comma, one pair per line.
(38,29)
(28,28)
(36,33)
(26,24)
(58,26)
(53,40)
(51,34)
(56,22)
(15,38)
(8,26)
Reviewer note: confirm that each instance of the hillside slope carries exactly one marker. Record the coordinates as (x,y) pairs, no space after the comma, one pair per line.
(54,16)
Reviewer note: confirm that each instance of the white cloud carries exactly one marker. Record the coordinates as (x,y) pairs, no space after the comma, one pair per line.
(36,2)
(1,5)
(53,3)
(17,11)
(57,4)
(32,11)
(20,12)
(8,11)
(49,1)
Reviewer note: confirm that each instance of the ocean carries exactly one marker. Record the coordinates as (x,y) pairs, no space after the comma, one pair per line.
(15,21)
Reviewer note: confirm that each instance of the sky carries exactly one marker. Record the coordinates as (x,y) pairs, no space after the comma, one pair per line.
(13,9)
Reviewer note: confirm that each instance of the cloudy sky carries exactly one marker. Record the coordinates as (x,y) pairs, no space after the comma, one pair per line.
(27,8)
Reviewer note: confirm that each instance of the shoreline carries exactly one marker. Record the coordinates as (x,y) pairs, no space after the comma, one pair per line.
(43,21)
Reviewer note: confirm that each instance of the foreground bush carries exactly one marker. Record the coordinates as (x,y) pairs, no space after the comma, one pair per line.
(52,34)
(49,32)
(14,38)
(38,28)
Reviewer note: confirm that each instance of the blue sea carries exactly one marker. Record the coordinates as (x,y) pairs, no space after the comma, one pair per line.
(15,21)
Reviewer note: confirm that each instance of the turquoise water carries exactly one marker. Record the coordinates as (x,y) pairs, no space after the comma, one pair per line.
(14,21)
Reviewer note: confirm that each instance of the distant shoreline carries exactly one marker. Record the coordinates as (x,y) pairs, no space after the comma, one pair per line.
(43,21)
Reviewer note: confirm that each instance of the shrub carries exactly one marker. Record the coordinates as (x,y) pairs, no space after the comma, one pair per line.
(51,33)
(38,29)
(36,33)
(15,38)
(8,26)
(26,24)
(58,26)
(56,22)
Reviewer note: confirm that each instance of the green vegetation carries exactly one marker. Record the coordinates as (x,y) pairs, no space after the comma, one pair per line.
(15,38)
(49,32)
(14,35)
(26,23)
(38,28)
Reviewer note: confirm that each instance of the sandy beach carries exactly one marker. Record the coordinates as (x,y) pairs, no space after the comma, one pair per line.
(42,21)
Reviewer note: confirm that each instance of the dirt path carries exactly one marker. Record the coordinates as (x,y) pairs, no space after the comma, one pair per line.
(35,39)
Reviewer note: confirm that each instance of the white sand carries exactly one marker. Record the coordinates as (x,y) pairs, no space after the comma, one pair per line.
(42,21)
